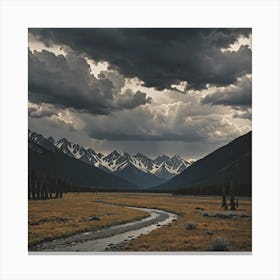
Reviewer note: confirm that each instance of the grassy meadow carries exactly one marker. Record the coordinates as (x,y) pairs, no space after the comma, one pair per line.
(201,220)
(54,218)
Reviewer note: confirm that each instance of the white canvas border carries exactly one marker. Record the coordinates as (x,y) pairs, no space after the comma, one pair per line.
(262,16)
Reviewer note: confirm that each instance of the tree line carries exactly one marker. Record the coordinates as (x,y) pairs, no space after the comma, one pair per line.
(44,186)
(215,189)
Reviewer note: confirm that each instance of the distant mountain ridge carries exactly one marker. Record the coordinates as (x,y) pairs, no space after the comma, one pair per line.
(137,169)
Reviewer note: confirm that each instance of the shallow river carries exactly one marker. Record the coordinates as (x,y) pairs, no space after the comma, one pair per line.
(110,238)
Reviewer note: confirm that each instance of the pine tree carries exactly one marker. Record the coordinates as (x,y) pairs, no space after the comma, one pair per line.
(51,182)
(232,199)
(61,189)
(33,182)
(56,187)
(224,200)
(37,187)
(29,186)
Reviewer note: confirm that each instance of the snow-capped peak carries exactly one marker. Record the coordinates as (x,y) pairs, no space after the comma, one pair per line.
(91,151)
(165,172)
(62,142)
(51,140)
(163,166)
(112,156)
(160,159)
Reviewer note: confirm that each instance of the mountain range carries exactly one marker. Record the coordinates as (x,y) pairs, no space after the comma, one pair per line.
(229,165)
(137,169)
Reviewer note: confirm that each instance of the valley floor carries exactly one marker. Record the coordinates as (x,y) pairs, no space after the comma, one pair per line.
(200,221)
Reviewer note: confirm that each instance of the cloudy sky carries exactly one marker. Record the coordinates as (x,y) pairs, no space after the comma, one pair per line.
(155,91)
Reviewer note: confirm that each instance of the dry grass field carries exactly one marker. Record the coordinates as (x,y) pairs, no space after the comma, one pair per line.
(195,230)
(50,219)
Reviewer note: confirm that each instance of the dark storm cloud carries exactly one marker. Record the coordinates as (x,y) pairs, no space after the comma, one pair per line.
(159,123)
(66,81)
(161,57)
(130,100)
(239,94)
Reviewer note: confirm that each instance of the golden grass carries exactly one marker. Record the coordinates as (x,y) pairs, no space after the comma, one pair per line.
(49,219)
(173,237)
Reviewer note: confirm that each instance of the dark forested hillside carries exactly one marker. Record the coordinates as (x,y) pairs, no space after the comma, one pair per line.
(230,163)
(55,163)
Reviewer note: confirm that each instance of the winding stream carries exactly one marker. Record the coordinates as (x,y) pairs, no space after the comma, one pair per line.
(110,238)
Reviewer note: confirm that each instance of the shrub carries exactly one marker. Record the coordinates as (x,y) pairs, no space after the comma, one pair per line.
(191,225)
(224,215)
(220,244)
(244,216)
(199,208)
